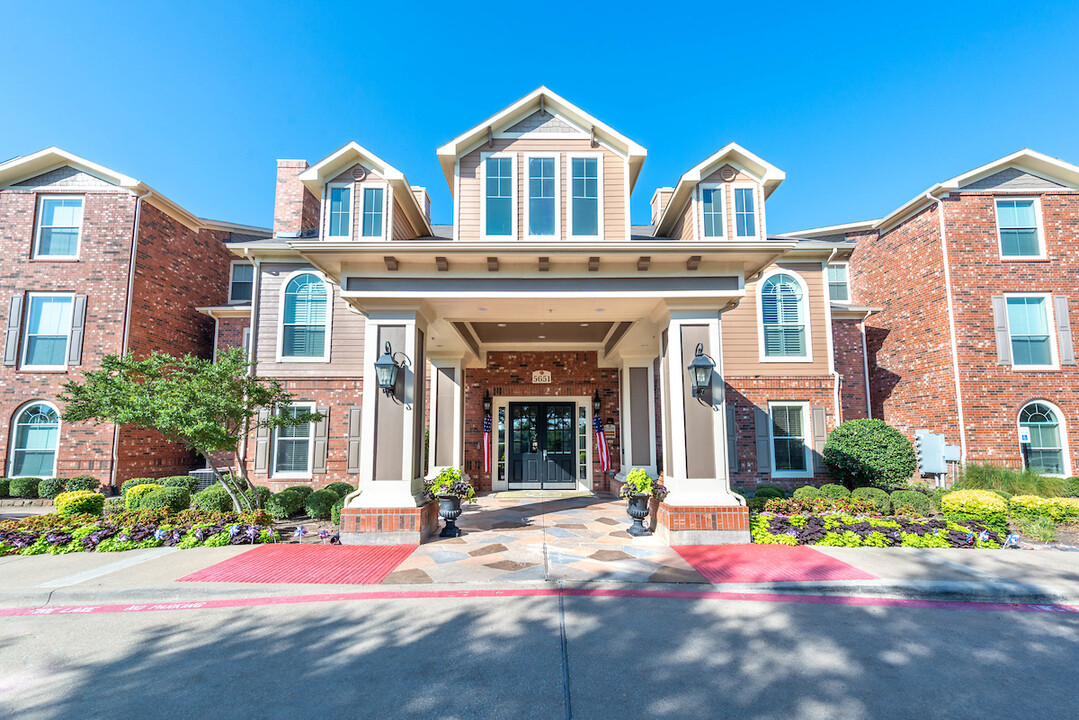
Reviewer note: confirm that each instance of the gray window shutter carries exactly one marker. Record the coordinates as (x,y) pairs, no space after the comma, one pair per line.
(1000,326)
(78,330)
(762,423)
(322,436)
(11,337)
(1064,331)
(732,440)
(355,419)
(820,435)
(262,443)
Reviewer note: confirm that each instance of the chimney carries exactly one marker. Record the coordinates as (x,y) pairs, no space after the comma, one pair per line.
(295,208)
(424,200)
(660,198)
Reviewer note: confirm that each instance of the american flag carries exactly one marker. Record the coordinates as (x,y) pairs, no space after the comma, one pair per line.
(487,443)
(601,445)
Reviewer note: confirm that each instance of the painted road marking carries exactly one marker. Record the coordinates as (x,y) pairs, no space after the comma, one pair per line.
(544,592)
(80,577)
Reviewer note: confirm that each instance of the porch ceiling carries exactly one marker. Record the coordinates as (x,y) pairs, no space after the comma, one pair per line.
(538,332)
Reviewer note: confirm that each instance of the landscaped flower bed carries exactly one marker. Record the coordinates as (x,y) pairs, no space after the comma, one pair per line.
(56,534)
(842,530)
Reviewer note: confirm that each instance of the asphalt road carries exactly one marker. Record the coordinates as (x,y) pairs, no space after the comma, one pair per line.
(506,658)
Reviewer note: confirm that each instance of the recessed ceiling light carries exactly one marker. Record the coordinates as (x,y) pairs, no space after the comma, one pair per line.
(482,309)
(584,324)
(542,337)
(599,310)
(501,324)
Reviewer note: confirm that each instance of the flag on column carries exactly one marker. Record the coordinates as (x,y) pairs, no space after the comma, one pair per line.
(487,443)
(601,446)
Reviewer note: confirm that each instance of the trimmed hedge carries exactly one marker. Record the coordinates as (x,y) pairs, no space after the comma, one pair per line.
(320,503)
(910,502)
(869,452)
(213,499)
(284,504)
(50,487)
(189,483)
(769,491)
(1071,485)
(937,496)
(341,488)
(876,496)
(82,482)
(1031,507)
(806,492)
(981,506)
(832,490)
(335,511)
(173,499)
(302,490)
(4,486)
(80,501)
(133,497)
(135,482)
(24,487)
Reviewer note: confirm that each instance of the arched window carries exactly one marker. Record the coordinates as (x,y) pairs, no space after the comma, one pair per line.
(305,318)
(783,316)
(36,436)
(1046,449)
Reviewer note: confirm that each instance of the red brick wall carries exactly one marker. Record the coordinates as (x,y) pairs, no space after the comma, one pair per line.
(748,393)
(510,373)
(847,346)
(101,274)
(230,332)
(295,208)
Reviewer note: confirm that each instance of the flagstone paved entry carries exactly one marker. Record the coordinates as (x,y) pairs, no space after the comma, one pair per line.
(544,538)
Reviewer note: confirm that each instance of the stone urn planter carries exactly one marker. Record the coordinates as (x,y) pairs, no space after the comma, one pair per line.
(449,509)
(638,510)
(639,489)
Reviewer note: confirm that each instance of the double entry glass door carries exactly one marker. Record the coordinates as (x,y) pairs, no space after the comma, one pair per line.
(542,446)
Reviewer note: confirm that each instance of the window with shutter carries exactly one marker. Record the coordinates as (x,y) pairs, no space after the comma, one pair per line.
(790,438)
(783,316)
(292,445)
(305,318)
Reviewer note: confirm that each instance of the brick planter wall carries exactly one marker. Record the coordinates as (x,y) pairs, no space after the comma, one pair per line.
(389,526)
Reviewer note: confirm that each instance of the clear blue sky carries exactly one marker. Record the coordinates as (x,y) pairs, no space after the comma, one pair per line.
(863,107)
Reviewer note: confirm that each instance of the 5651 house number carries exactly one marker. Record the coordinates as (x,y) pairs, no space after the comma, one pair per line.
(541,377)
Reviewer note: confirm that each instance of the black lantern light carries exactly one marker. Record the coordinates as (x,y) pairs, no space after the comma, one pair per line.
(596,403)
(700,371)
(386,370)
(486,403)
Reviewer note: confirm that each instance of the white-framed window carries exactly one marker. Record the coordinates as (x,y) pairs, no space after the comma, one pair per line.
(339,202)
(48,330)
(374,210)
(713,217)
(59,226)
(245,340)
(35,440)
(542,206)
(499,197)
(304,332)
(745,211)
(783,299)
(1046,450)
(790,439)
(585,206)
(838,282)
(1030,319)
(293,445)
(241,282)
(1019,228)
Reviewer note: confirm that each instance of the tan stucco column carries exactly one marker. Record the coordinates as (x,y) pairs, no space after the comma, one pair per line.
(446,439)
(637,415)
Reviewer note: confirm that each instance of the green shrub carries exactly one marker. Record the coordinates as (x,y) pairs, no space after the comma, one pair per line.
(805,492)
(979,505)
(341,488)
(213,499)
(4,487)
(82,482)
(1006,495)
(50,487)
(320,503)
(173,499)
(834,491)
(284,504)
(133,497)
(80,501)
(114,505)
(24,487)
(1071,485)
(335,511)
(876,496)
(910,502)
(937,496)
(756,504)
(1057,510)
(135,482)
(188,482)
(769,491)
(264,493)
(302,490)
(869,452)
(1017,482)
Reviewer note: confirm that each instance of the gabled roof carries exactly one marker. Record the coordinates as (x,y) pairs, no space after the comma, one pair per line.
(828,230)
(51,158)
(1034,162)
(769,176)
(329,167)
(530,103)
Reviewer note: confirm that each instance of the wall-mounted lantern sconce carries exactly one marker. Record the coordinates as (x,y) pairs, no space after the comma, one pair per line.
(596,404)
(387,370)
(700,372)
(486,403)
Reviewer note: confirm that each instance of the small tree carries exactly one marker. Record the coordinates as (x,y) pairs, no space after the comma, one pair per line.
(869,452)
(207,405)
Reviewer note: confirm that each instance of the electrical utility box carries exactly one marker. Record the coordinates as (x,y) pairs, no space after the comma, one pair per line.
(933,453)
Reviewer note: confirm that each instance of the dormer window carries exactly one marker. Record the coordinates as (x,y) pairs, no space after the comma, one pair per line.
(499,195)
(340,211)
(372,212)
(745,214)
(712,211)
(586,187)
(542,208)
